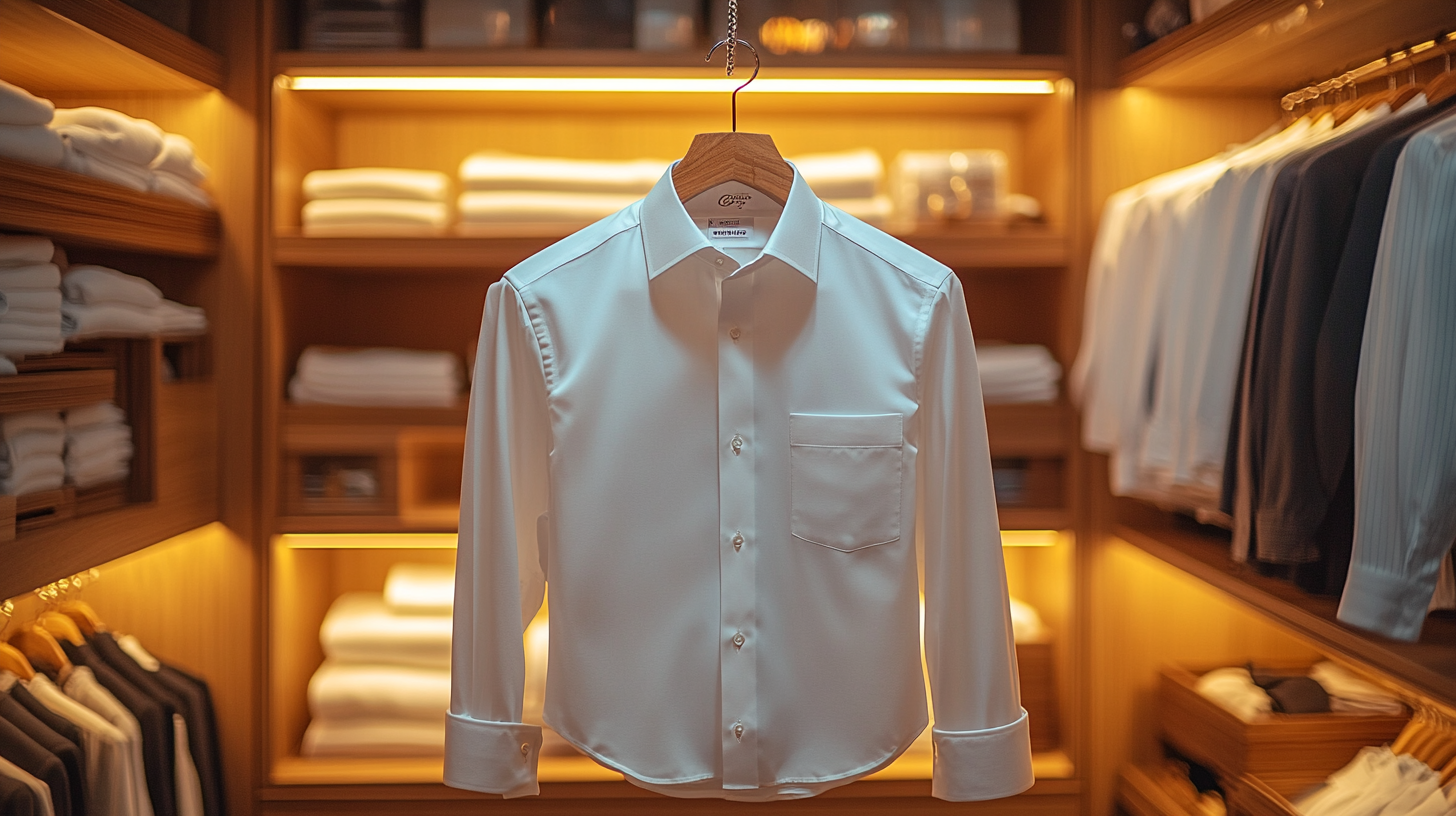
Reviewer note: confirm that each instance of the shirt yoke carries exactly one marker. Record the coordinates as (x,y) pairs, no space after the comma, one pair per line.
(574,246)
(898,254)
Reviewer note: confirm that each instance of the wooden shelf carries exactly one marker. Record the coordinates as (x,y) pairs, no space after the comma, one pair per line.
(73,208)
(99,45)
(350,415)
(1029,430)
(1275,45)
(56,390)
(1428,666)
(964,249)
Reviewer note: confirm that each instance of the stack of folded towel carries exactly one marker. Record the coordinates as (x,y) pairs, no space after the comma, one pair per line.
(376,377)
(32,452)
(98,445)
(375,201)
(384,685)
(30,299)
(849,180)
(24,135)
(102,302)
(1017,373)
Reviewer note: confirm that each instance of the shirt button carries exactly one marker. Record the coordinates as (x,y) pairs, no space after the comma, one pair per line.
(735,332)
(737,541)
(718,261)
(738,640)
(738,730)
(737,444)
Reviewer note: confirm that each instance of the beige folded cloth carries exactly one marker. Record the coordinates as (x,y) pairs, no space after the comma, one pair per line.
(344,691)
(20,107)
(93,284)
(25,250)
(132,176)
(32,144)
(105,132)
(420,589)
(174,186)
(492,170)
(359,628)
(374,216)
(377,182)
(179,158)
(527,206)
(97,413)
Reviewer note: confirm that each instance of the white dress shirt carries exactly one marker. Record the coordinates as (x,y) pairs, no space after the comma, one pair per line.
(83,687)
(110,776)
(716,452)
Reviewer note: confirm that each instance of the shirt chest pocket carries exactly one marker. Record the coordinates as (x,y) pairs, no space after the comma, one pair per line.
(845,479)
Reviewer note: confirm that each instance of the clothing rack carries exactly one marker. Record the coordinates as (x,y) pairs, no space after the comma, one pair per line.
(1350,78)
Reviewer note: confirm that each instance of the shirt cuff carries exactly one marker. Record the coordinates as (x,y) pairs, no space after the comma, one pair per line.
(971,766)
(491,757)
(1393,605)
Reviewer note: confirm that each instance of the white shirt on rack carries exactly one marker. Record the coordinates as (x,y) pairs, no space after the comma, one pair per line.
(716,452)
(110,777)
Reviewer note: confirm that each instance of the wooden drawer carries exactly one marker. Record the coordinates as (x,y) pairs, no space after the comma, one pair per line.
(1249,795)
(1154,790)
(1289,752)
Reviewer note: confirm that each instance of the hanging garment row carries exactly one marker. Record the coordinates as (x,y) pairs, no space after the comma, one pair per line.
(1269,334)
(91,724)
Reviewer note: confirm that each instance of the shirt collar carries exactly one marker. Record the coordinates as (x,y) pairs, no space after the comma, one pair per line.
(669,234)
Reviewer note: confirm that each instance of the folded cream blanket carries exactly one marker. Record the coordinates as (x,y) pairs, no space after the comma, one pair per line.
(306,393)
(101,473)
(174,186)
(845,174)
(31,277)
(347,691)
(105,132)
(359,628)
(31,300)
(179,158)
(20,107)
(420,589)
(132,176)
(377,182)
(25,250)
(512,206)
(92,284)
(10,330)
(384,363)
(23,446)
(491,170)
(98,413)
(80,320)
(34,475)
(12,425)
(382,738)
(49,319)
(32,144)
(374,216)
(97,440)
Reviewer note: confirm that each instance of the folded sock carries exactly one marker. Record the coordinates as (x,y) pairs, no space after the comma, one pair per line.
(110,133)
(132,176)
(376,182)
(20,107)
(179,158)
(25,250)
(33,276)
(32,144)
(174,186)
(92,284)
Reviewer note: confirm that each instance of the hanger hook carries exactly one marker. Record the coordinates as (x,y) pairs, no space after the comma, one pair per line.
(757,64)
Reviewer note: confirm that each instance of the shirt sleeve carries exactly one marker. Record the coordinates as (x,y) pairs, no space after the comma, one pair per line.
(981,737)
(499,579)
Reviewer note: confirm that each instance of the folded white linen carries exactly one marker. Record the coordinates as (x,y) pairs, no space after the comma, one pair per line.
(31,300)
(876,210)
(34,475)
(23,446)
(179,158)
(20,107)
(1017,373)
(491,170)
(101,473)
(374,216)
(1037,394)
(1235,691)
(110,133)
(96,440)
(305,393)
(512,206)
(32,144)
(16,349)
(383,738)
(23,331)
(25,250)
(177,318)
(32,422)
(80,320)
(347,691)
(368,382)
(843,174)
(174,186)
(383,363)
(115,455)
(132,176)
(32,276)
(1349,693)
(359,628)
(33,318)
(420,589)
(377,182)
(7,367)
(1026,623)
(97,413)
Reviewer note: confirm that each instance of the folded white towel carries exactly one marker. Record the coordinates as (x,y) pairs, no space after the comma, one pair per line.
(25,250)
(345,691)
(32,144)
(525,206)
(1235,691)
(420,589)
(132,176)
(92,284)
(374,216)
(23,446)
(34,475)
(1026,623)
(381,362)
(84,443)
(17,349)
(383,738)
(377,182)
(12,425)
(305,393)
(179,158)
(47,319)
(174,186)
(876,210)
(176,318)
(1017,373)
(844,174)
(103,473)
(492,170)
(31,300)
(1349,693)
(7,367)
(102,131)
(80,320)
(23,331)
(31,277)
(359,628)
(20,107)
(98,413)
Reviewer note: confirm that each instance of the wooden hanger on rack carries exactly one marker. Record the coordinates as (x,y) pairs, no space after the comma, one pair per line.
(42,650)
(748,158)
(84,616)
(1444,86)
(11,659)
(61,627)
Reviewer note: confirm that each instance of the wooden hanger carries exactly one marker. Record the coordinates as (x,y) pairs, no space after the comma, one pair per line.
(42,650)
(748,158)
(85,617)
(1448,773)
(61,627)
(13,661)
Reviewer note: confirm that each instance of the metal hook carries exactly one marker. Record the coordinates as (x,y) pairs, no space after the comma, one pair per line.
(757,64)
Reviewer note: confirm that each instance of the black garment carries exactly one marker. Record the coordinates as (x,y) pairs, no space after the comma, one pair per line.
(69,753)
(155,718)
(30,757)
(202,734)
(1292,694)
(16,798)
(52,720)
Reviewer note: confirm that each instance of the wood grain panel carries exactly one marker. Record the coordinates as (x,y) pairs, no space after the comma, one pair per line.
(297,62)
(56,390)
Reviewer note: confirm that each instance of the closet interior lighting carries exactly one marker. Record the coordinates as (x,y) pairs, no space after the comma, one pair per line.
(368,541)
(666,85)
(1029,538)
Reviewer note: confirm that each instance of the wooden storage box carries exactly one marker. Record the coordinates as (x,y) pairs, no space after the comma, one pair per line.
(1154,790)
(1251,796)
(1289,752)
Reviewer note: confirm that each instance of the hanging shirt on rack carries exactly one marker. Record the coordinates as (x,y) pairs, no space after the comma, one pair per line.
(69,753)
(712,430)
(34,759)
(83,687)
(111,780)
(38,789)
(154,744)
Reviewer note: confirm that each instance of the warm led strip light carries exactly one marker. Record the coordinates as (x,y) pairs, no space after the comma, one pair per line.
(447,541)
(667,85)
